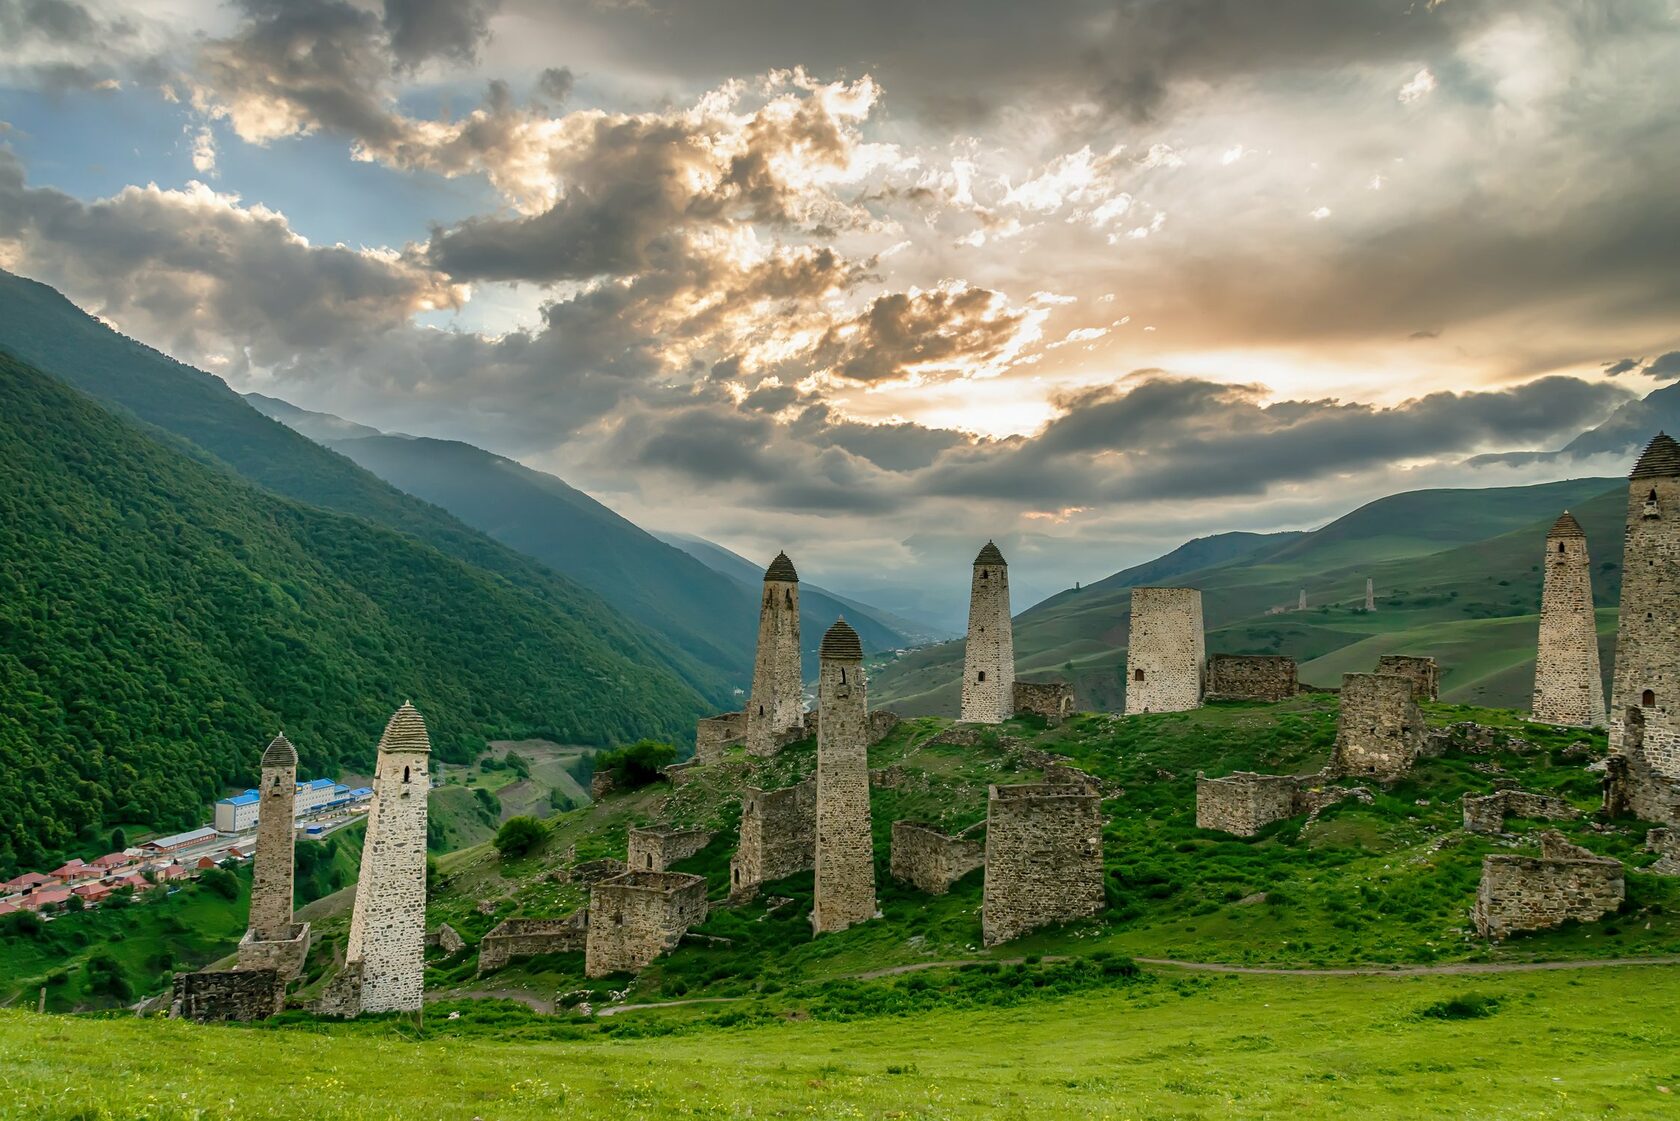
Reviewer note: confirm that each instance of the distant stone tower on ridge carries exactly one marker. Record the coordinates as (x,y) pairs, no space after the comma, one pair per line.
(272,940)
(1370,594)
(1301,604)
(845,880)
(988,688)
(1166,656)
(1568,685)
(777,702)
(388,926)
(1645,694)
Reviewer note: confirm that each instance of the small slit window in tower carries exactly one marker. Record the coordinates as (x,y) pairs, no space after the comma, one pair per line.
(405,774)
(982,676)
(1560,546)
(789,595)
(618,918)
(842,675)
(1137,675)
(1648,698)
(648,859)
(761,710)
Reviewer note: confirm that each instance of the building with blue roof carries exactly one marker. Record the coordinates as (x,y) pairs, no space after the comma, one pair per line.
(238,813)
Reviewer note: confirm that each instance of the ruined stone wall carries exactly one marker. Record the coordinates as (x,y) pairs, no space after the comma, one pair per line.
(988,685)
(271,866)
(654,850)
(342,995)
(211,996)
(1043,858)
(1487,814)
(445,938)
(1665,842)
(1519,893)
(1166,655)
(1251,677)
(1244,802)
(845,856)
(1423,673)
(931,861)
(777,702)
(1052,700)
(1379,732)
(286,956)
(388,924)
(635,917)
(1568,685)
(716,734)
(778,836)
(519,938)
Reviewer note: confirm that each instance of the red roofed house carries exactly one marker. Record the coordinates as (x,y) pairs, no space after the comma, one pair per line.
(113,860)
(93,893)
(134,880)
(205,862)
(174,872)
(24,884)
(8,908)
(47,899)
(73,870)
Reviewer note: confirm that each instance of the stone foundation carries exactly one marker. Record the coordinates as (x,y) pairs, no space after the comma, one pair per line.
(778,836)
(284,956)
(1521,893)
(211,996)
(931,861)
(716,734)
(635,917)
(1423,673)
(1487,814)
(523,938)
(1379,733)
(1043,858)
(1052,700)
(1243,803)
(1251,677)
(654,850)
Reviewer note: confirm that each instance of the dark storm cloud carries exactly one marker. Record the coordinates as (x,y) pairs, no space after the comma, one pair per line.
(86,51)
(556,84)
(899,331)
(1664,367)
(423,29)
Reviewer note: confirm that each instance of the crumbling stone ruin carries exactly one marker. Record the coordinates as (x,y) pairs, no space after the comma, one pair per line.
(523,938)
(714,735)
(1645,694)
(1664,841)
(845,859)
(446,938)
(635,917)
(1167,652)
(272,940)
(1044,859)
(1423,673)
(1052,700)
(1487,814)
(1520,893)
(1379,733)
(1568,687)
(600,785)
(778,836)
(1251,677)
(230,994)
(1243,803)
(931,861)
(988,685)
(385,959)
(656,849)
(777,702)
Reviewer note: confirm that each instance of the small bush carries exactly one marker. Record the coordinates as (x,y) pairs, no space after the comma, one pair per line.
(519,835)
(637,764)
(1470,1006)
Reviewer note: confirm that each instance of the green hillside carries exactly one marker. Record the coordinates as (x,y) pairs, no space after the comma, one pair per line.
(1457,574)
(160,618)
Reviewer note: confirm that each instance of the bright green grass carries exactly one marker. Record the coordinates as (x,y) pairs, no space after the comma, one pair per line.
(1589,1043)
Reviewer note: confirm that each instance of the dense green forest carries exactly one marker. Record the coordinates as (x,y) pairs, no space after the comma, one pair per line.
(160,618)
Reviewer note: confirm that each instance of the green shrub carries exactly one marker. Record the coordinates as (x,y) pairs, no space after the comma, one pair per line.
(519,835)
(1470,1006)
(636,764)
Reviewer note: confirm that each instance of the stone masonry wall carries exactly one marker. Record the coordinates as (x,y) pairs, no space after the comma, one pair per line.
(1166,654)
(1665,842)
(716,734)
(778,836)
(1052,700)
(211,996)
(1487,814)
(777,702)
(635,917)
(989,656)
(286,956)
(655,850)
(518,938)
(1244,802)
(1423,673)
(1379,732)
(1251,677)
(1568,684)
(1520,893)
(931,861)
(271,866)
(1043,858)
(845,858)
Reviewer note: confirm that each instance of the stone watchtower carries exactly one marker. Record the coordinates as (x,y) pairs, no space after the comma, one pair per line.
(273,940)
(1166,655)
(1568,686)
(988,688)
(777,703)
(388,926)
(845,881)
(1645,694)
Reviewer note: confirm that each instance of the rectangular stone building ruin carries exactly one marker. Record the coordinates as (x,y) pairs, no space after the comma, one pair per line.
(655,849)
(714,735)
(1251,677)
(521,938)
(1379,732)
(931,861)
(1665,842)
(1423,673)
(1052,700)
(635,917)
(1487,814)
(221,995)
(1044,858)
(1243,803)
(1166,655)
(778,836)
(1522,893)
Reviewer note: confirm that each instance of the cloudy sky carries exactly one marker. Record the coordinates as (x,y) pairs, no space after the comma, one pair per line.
(873,281)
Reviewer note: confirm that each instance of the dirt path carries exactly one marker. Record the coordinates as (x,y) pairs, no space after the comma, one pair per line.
(524,996)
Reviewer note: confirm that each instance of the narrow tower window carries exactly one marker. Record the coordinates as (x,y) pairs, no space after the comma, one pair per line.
(982,676)
(1560,546)
(405,774)
(1137,675)
(1648,698)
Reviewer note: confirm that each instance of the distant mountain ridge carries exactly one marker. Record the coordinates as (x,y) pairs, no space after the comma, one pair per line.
(1624,432)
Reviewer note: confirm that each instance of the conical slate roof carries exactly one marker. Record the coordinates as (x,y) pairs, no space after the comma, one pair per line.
(279,753)
(842,642)
(405,732)
(990,554)
(1661,459)
(781,569)
(1566,526)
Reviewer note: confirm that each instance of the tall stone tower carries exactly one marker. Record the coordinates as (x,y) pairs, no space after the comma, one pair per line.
(1166,655)
(388,925)
(988,688)
(1645,693)
(1568,686)
(845,882)
(778,688)
(272,940)
(1370,594)
(1301,603)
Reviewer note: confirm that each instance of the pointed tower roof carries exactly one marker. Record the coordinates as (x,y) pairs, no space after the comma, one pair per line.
(279,752)
(406,731)
(842,642)
(1660,460)
(990,554)
(1566,526)
(781,569)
